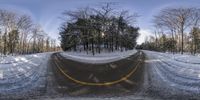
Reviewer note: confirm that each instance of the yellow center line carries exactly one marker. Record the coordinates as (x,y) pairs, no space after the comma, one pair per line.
(97,84)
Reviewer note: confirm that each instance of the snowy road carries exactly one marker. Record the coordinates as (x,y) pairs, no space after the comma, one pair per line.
(79,78)
(172,78)
(164,76)
(22,76)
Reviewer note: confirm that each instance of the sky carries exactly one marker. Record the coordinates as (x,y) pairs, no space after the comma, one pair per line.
(47,13)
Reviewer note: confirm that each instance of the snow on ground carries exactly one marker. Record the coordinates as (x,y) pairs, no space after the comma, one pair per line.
(131,97)
(15,59)
(170,73)
(187,58)
(22,73)
(98,58)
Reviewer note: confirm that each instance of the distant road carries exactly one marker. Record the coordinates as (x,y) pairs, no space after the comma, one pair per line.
(76,78)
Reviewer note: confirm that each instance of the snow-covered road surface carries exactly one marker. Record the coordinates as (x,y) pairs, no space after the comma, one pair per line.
(98,58)
(173,77)
(23,74)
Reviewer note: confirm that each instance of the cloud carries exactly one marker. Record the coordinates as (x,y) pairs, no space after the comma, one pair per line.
(144,33)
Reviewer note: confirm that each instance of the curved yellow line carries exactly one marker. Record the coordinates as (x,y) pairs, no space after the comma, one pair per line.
(98,84)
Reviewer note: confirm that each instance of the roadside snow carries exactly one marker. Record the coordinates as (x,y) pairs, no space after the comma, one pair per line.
(14,59)
(186,58)
(171,73)
(22,73)
(131,97)
(97,58)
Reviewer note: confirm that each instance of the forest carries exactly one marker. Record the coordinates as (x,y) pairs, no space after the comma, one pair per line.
(96,29)
(20,35)
(176,30)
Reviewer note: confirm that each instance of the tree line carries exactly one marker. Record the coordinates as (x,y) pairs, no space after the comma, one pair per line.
(98,29)
(19,35)
(176,30)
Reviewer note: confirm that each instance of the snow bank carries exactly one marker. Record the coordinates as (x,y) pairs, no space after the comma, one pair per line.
(171,74)
(97,58)
(176,64)
(186,58)
(15,59)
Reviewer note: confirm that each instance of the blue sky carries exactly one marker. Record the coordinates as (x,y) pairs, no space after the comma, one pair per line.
(47,12)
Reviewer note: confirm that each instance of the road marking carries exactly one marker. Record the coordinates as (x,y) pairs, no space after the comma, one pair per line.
(91,75)
(96,79)
(152,60)
(140,53)
(62,87)
(130,82)
(80,91)
(1,74)
(96,84)
(113,66)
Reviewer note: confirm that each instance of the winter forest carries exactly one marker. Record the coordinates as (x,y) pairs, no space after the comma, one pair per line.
(176,30)
(99,50)
(20,35)
(99,29)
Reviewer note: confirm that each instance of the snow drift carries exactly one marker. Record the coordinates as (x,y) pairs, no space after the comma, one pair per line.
(98,58)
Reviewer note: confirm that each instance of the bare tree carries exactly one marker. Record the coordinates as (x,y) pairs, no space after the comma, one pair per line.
(195,29)
(18,34)
(8,23)
(24,25)
(176,19)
